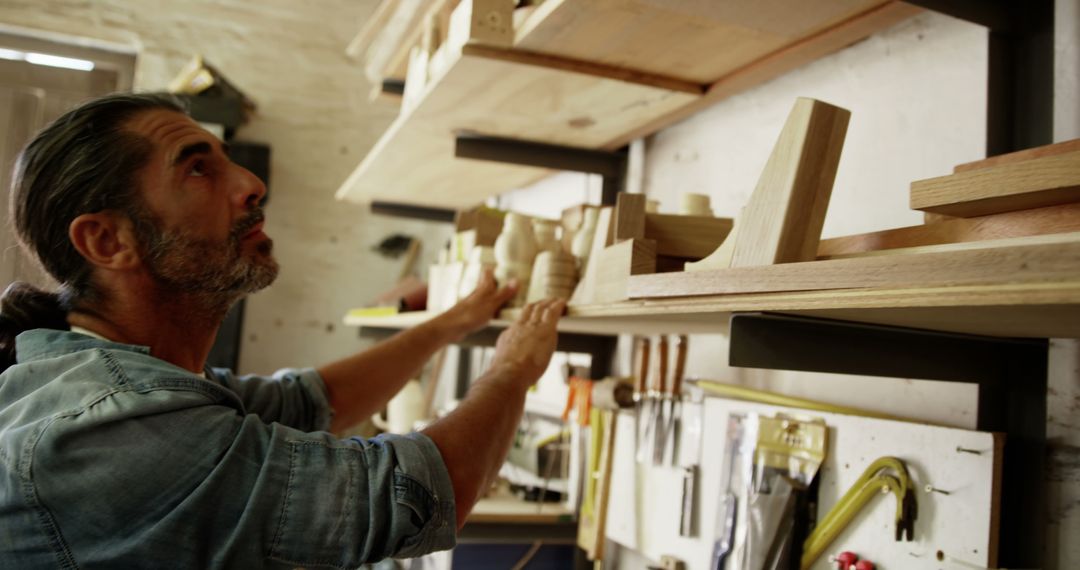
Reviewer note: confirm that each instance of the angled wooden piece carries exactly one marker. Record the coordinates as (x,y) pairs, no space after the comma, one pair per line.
(721,258)
(1007,187)
(782,221)
(614,266)
(583,293)
(629,217)
(1037,221)
(692,237)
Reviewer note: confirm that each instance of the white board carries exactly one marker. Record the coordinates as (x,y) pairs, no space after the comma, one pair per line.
(644,510)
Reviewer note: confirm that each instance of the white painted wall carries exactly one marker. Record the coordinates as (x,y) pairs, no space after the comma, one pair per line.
(313,110)
(917,93)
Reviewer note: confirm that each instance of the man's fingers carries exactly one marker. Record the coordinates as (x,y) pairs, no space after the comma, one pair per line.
(527,313)
(553,311)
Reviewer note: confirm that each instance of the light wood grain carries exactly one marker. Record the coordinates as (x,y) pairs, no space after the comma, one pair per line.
(413,162)
(698,41)
(614,266)
(1020,156)
(790,57)
(782,221)
(1007,187)
(584,292)
(1051,239)
(1038,221)
(691,237)
(629,217)
(1014,264)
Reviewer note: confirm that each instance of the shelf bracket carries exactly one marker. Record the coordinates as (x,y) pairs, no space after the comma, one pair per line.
(1020,74)
(1011,375)
(413,212)
(611,165)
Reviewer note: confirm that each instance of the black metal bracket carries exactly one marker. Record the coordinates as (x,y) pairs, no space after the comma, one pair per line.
(1020,78)
(1011,375)
(414,212)
(611,165)
(601,348)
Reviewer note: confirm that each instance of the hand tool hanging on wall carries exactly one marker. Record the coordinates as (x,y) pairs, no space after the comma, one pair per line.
(673,401)
(641,375)
(886,474)
(657,383)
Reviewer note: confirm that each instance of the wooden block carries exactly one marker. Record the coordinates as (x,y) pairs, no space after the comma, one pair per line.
(782,221)
(488,223)
(616,264)
(692,237)
(998,265)
(1039,221)
(1020,156)
(583,293)
(721,258)
(629,217)
(1008,187)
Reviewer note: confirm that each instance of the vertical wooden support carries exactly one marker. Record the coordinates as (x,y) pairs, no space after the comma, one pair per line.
(782,222)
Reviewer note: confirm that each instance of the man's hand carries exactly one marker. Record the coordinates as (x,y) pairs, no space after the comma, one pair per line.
(475,311)
(525,348)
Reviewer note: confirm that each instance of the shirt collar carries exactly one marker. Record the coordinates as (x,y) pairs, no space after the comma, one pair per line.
(38,344)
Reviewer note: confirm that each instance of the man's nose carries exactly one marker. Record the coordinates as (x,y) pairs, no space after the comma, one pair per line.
(249,190)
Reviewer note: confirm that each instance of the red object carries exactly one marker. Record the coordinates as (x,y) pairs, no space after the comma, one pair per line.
(864,565)
(846,560)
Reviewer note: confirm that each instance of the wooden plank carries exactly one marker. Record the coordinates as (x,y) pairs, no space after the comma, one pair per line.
(784,60)
(1050,239)
(413,162)
(614,266)
(1008,187)
(1038,221)
(584,292)
(1020,156)
(668,38)
(782,221)
(629,217)
(691,237)
(1015,264)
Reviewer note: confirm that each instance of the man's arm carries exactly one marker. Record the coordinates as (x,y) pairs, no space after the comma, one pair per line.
(475,438)
(360,385)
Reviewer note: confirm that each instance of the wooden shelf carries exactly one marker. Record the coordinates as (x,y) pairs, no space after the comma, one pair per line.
(595,74)
(507,94)
(727,47)
(1039,310)
(508,509)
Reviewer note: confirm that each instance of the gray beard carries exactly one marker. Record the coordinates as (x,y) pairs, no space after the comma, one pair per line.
(214,274)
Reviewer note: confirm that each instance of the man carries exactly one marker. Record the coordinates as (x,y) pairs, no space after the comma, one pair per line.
(120,449)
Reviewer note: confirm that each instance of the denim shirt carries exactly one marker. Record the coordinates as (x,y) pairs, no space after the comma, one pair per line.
(111,458)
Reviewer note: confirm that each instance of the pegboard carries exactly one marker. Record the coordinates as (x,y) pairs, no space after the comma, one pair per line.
(951,530)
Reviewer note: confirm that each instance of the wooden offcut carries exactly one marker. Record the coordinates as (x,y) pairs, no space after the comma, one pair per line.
(1038,221)
(1007,187)
(783,219)
(691,237)
(583,293)
(614,266)
(629,216)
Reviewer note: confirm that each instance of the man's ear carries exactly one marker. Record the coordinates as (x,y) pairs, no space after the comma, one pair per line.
(106,239)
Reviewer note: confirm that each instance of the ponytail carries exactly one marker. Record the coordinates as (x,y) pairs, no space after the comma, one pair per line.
(24,307)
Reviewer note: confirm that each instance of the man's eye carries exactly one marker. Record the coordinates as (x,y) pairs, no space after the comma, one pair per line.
(197,169)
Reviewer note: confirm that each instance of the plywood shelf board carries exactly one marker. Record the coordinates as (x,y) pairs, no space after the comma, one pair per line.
(669,38)
(499,93)
(999,265)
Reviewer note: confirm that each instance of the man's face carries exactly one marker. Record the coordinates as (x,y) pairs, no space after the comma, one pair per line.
(199,223)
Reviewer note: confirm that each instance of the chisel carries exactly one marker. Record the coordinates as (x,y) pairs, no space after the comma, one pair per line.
(673,402)
(658,393)
(641,374)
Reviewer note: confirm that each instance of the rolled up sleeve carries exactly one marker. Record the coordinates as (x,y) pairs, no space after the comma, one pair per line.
(295,397)
(353,501)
